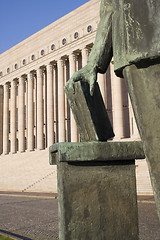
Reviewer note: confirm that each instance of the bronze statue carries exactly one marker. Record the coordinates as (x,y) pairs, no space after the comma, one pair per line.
(129,31)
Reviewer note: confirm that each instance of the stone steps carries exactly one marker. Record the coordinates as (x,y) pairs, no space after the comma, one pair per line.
(31,172)
(143,178)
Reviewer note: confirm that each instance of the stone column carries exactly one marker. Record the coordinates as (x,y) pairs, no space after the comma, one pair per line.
(101,82)
(30,142)
(50,106)
(6,120)
(1,119)
(40,119)
(134,133)
(13,116)
(74,134)
(130,116)
(117,101)
(61,102)
(21,117)
(85,54)
(55,89)
(135,129)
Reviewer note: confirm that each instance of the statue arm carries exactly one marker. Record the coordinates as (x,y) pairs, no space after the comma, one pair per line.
(101,53)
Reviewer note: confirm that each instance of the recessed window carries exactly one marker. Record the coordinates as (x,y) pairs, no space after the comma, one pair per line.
(1,74)
(42,52)
(8,70)
(33,57)
(89,28)
(52,47)
(24,61)
(64,41)
(76,35)
(16,66)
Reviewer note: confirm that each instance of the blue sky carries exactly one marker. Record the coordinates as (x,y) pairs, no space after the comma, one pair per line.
(20,19)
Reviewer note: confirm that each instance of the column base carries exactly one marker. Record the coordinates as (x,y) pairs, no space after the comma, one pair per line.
(21,151)
(11,153)
(30,150)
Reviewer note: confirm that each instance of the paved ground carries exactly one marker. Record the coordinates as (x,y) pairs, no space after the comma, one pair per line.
(29,217)
(35,217)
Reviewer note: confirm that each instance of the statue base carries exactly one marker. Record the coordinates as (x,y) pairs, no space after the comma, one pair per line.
(97,189)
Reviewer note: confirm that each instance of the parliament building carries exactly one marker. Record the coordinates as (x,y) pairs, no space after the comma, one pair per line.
(34,112)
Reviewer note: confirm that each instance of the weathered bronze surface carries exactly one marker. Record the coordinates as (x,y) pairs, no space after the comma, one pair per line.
(129,32)
(95,151)
(144,88)
(93,124)
(97,196)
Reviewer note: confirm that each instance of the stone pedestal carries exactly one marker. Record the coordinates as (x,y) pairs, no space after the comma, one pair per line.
(97,189)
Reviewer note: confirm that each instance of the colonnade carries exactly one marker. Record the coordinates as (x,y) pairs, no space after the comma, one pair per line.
(34,112)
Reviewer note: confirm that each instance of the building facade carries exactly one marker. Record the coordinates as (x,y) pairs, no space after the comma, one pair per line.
(34,112)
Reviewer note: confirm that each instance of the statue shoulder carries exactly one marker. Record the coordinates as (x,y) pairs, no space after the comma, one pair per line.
(106,6)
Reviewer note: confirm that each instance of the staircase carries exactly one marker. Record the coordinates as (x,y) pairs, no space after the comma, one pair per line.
(143,179)
(29,171)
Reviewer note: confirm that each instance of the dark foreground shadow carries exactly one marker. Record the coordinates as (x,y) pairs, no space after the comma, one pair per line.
(10,234)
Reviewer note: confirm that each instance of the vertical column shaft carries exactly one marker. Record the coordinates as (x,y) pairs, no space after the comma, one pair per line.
(135,129)
(61,102)
(50,106)
(101,82)
(1,119)
(85,53)
(21,117)
(134,133)
(74,134)
(6,120)
(40,117)
(117,104)
(30,142)
(55,100)
(13,116)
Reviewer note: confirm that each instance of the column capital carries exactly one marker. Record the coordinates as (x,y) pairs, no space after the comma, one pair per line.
(49,67)
(61,62)
(72,57)
(85,51)
(14,83)
(31,75)
(39,71)
(21,80)
(32,71)
(54,66)
(85,54)
(6,85)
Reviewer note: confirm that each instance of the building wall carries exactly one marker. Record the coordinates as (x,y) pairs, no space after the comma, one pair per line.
(34,112)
